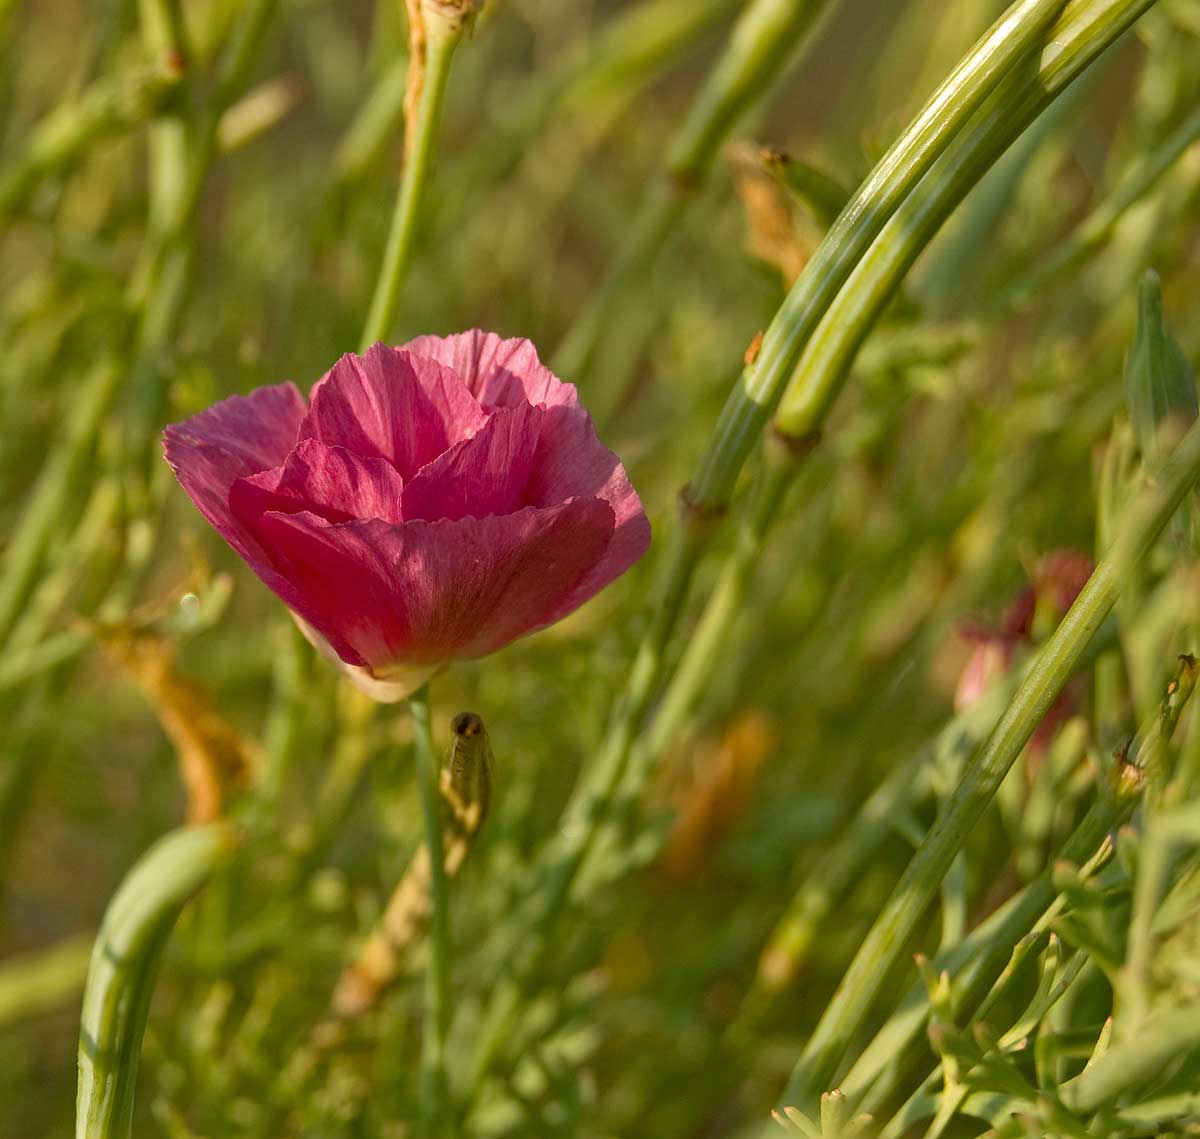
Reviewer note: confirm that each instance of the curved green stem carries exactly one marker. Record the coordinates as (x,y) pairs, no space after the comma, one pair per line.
(123,967)
(754,397)
(443,38)
(437,987)
(883,946)
(1086,29)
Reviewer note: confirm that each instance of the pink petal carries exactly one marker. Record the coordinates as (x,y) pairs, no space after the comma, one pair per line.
(572,462)
(501,373)
(427,592)
(392,405)
(328,481)
(486,474)
(233,439)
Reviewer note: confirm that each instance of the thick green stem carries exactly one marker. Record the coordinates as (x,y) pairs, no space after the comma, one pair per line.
(753,399)
(1081,35)
(883,946)
(437,987)
(443,38)
(123,967)
(1086,29)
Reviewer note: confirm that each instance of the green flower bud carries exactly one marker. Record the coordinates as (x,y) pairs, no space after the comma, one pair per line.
(1159,384)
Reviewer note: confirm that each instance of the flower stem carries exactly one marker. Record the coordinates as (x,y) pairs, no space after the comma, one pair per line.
(124,964)
(753,399)
(1083,33)
(443,36)
(437,981)
(884,944)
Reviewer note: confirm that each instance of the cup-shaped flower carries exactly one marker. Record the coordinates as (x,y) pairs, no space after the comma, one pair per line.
(428,503)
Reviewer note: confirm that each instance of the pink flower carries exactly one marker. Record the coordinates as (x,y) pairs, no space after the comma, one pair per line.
(430,503)
(1057,580)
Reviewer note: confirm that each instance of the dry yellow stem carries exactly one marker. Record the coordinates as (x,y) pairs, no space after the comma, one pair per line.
(213,755)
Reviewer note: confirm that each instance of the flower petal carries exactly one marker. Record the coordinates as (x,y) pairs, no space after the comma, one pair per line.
(501,373)
(484,475)
(328,481)
(238,437)
(427,592)
(572,462)
(392,405)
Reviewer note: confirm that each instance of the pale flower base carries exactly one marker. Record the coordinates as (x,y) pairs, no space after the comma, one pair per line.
(388,688)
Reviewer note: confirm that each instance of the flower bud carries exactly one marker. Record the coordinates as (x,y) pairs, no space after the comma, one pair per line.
(1159,384)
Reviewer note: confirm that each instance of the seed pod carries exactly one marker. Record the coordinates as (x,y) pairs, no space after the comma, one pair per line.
(1159,384)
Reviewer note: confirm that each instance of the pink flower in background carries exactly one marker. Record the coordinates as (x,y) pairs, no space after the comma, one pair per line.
(1056,583)
(429,503)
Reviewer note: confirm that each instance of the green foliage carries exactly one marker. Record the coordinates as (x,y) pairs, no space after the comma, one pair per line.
(196,199)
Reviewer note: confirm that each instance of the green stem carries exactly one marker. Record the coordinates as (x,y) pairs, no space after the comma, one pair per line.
(437,987)
(1086,30)
(1015,921)
(1081,35)
(443,38)
(883,946)
(826,361)
(753,399)
(710,639)
(762,40)
(123,967)
(590,807)
(180,161)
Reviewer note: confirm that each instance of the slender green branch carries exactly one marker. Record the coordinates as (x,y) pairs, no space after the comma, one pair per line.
(437,988)
(851,1004)
(180,163)
(443,36)
(123,967)
(1029,911)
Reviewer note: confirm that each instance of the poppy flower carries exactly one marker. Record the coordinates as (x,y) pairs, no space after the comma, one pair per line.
(429,503)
